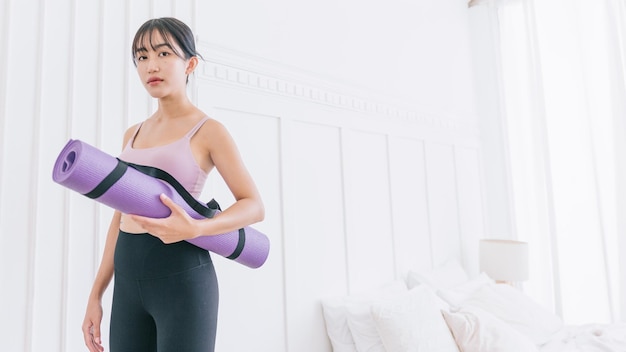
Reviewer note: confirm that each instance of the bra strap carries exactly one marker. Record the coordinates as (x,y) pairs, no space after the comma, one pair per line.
(196,127)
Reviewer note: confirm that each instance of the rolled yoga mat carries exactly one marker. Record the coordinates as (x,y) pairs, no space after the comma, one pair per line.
(135,189)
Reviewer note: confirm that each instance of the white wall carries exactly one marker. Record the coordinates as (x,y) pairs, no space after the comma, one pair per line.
(355,194)
(356,119)
(415,52)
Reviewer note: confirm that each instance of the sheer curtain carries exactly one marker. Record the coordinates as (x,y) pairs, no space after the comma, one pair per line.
(562,66)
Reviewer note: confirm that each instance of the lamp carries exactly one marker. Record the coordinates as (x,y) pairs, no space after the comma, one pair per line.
(505,261)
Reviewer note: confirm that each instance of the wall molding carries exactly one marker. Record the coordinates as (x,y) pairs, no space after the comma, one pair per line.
(235,69)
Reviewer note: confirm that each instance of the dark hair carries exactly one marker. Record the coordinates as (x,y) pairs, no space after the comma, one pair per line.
(170,29)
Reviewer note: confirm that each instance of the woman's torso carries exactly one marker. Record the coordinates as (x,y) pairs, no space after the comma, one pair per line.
(176,158)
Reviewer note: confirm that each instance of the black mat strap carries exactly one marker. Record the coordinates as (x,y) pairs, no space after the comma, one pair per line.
(213,205)
(240,244)
(108,181)
(200,208)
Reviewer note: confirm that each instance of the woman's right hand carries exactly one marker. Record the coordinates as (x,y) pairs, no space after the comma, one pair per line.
(91,326)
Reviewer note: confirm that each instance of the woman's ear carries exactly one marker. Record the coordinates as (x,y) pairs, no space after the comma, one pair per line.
(191,66)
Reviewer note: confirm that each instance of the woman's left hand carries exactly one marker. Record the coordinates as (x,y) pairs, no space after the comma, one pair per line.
(177,227)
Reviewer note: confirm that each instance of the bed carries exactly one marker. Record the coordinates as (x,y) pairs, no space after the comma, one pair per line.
(444,310)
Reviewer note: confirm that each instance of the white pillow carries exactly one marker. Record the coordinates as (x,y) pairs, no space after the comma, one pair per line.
(412,322)
(475,330)
(360,321)
(447,275)
(335,312)
(519,311)
(457,294)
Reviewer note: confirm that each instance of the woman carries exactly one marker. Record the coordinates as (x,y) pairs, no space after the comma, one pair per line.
(165,294)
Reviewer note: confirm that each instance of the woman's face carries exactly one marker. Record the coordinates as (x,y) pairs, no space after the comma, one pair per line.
(161,71)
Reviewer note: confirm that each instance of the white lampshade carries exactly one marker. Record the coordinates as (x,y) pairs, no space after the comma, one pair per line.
(504,260)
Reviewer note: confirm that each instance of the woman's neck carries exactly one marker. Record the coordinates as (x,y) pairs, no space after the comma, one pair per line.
(174,108)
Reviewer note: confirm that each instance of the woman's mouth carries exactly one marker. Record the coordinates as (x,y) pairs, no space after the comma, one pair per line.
(154,81)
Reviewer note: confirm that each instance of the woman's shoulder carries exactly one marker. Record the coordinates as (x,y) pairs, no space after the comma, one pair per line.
(211,127)
(130,131)
(214,133)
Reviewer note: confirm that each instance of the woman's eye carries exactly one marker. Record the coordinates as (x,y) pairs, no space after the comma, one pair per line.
(164,53)
(140,58)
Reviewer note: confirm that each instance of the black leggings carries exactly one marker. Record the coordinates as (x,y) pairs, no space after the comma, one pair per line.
(165,297)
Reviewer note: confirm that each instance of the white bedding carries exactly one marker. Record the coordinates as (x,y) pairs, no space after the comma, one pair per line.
(444,311)
(588,338)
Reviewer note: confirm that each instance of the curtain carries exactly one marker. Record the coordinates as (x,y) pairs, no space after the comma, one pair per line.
(562,68)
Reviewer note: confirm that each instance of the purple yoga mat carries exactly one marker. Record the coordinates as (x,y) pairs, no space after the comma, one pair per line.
(82,167)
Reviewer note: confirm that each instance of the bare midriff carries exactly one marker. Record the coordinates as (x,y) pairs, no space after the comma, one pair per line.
(128,225)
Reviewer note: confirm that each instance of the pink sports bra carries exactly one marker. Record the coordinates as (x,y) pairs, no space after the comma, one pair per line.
(175,158)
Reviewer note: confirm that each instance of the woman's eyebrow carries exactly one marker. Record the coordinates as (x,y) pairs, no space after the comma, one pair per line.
(159,46)
(154,47)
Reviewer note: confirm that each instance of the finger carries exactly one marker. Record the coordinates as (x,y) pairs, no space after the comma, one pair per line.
(94,346)
(138,219)
(96,333)
(89,341)
(86,335)
(171,204)
(165,198)
(100,347)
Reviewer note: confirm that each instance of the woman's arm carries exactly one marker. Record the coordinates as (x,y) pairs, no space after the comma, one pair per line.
(93,315)
(248,208)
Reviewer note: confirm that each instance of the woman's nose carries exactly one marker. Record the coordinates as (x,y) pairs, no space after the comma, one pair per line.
(152,66)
